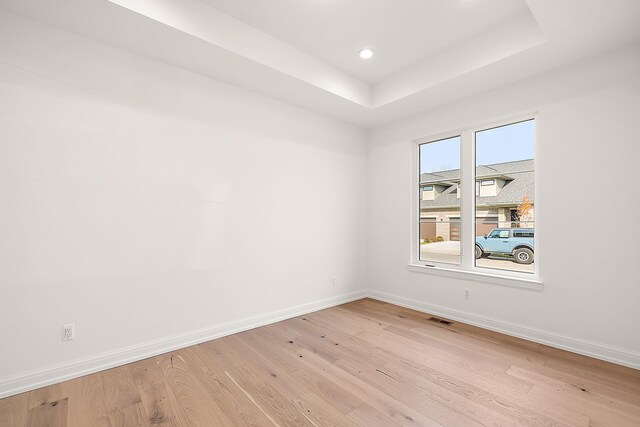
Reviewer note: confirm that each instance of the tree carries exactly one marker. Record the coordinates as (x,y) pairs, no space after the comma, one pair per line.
(524,208)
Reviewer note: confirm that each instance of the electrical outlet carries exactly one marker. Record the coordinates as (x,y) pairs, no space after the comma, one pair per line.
(467,293)
(68,332)
(333,281)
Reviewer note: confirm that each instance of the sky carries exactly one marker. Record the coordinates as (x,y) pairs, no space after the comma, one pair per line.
(498,145)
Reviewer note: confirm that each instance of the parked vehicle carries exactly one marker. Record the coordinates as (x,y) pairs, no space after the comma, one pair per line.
(516,242)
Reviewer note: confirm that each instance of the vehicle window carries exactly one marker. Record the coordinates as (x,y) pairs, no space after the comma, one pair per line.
(504,234)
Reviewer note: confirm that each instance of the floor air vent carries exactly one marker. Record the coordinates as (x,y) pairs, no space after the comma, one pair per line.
(444,322)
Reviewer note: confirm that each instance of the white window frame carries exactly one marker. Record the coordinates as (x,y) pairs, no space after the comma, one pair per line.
(466,269)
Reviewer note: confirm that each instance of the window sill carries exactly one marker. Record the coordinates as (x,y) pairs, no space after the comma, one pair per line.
(514,282)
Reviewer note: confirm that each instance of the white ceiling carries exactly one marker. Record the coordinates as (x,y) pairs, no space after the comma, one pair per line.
(401,32)
(428,52)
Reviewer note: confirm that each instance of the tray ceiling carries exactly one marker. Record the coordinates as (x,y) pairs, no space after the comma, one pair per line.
(428,52)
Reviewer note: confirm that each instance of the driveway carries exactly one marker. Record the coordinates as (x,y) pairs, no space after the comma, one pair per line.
(449,252)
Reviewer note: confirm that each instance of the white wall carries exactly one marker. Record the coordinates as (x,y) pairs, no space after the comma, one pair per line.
(588,164)
(140,201)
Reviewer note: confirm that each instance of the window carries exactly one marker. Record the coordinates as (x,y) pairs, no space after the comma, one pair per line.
(523,233)
(498,234)
(508,151)
(439,230)
(489,232)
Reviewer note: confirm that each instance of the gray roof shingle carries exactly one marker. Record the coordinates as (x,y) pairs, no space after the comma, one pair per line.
(519,176)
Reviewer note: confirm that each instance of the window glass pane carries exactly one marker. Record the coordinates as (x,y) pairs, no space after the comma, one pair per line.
(505,209)
(440,208)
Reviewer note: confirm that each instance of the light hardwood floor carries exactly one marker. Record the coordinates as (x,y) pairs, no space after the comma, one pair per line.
(365,363)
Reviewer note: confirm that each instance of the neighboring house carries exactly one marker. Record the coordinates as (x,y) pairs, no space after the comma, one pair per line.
(500,188)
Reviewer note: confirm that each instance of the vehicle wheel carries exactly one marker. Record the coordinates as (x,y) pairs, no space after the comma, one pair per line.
(478,252)
(523,256)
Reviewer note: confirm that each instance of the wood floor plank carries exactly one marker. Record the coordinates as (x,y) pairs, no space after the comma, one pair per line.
(235,404)
(366,416)
(130,415)
(86,405)
(365,363)
(322,385)
(49,394)
(161,407)
(119,389)
(50,414)
(264,393)
(320,413)
(311,405)
(14,410)
(196,405)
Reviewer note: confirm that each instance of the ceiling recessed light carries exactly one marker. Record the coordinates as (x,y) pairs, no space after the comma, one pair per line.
(366,53)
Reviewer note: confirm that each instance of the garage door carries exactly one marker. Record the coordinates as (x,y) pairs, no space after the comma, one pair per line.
(454,229)
(484,225)
(427,228)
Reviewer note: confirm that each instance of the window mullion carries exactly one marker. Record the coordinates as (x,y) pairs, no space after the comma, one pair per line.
(467,199)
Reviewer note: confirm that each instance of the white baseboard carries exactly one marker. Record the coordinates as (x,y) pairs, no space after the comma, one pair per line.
(31,380)
(588,348)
